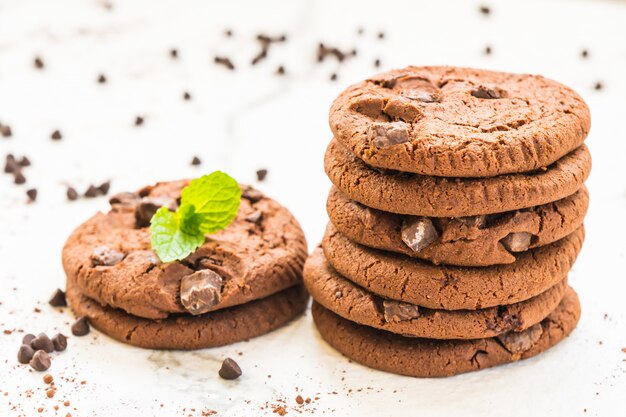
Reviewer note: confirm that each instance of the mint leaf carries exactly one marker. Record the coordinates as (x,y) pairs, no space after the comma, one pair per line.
(208,204)
(216,199)
(168,240)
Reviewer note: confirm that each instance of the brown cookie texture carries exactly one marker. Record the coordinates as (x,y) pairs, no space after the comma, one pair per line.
(419,357)
(109,257)
(399,277)
(354,303)
(420,195)
(184,331)
(459,122)
(465,241)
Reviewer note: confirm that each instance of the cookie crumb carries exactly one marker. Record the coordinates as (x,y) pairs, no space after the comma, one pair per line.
(299,400)
(47,379)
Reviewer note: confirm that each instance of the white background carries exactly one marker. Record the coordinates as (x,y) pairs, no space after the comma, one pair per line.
(248,119)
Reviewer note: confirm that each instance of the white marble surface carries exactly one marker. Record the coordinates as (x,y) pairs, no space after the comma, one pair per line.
(250,118)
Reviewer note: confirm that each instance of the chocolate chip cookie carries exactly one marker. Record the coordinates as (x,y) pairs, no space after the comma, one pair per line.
(465,241)
(109,257)
(459,122)
(419,357)
(354,303)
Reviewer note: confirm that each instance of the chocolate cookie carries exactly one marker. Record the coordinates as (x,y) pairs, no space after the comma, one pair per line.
(467,241)
(459,122)
(454,197)
(401,278)
(185,331)
(356,304)
(109,257)
(437,358)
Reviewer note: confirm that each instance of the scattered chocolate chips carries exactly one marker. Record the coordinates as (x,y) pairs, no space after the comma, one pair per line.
(230,369)
(228,33)
(598,86)
(221,60)
(280,70)
(255,217)
(333,76)
(105,256)
(59,342)
(92,192)
(10,165)
(40,361)
(56,135)
(324,51)
(139,121)
(24,162)
(200,291)
(383,135)
(266,41)
(25,353)
(18,177)
(584,53)
(381,35)
(102,79)
(485,10)
(520,342)
(71,194)
(146,208)
(487,50)
(42,342)
(32,194)
(38,63)
(81,326)
(104,187)
(196,161)
(5,131)
(418,233)
(377,62)
(397,311)
(488,93)
(28,338)
(261,174)
(174,53)
(186,96)
(517,241)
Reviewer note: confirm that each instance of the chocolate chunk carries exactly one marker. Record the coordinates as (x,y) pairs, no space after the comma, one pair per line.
(71,194)
(38,62)
(105,256)
(18,177)
(520,342)
(40,361)
(92,191)
(230,369)
(25,354)
(261,174)
(42,342)
(196,161)
(418,232)
(517,241)
(388,134)
(149,205)
(102,79)
(397,311)
(488,93)
(200,291)
(5,131)
(225,62)
(124,199)
(58,299)
(251,194)
(255,217)
(139,121)
(28,338)
(60,342)
(32,194)
(10,165)
(56,135)
(104,187)
(81,326)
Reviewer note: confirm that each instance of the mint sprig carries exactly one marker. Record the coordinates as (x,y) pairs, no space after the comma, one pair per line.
(208,204)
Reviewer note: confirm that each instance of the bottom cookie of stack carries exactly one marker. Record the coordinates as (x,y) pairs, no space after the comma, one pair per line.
(420,357)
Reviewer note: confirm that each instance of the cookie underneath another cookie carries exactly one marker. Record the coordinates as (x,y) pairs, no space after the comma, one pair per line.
(438,358)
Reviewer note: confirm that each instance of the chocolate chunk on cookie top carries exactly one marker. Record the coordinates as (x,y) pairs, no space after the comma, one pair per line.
(459,122)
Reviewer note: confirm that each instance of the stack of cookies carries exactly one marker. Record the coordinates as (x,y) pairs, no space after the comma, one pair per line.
(244,281)
(456,213)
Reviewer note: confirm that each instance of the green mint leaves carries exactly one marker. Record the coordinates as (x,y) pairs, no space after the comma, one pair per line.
(208,204)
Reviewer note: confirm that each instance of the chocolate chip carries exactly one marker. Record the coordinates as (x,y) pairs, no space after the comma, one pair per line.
(381,35)
(71,194)
(517,241)
(42,342)
(5,131)
(174,53)
(102,79)
(261,174)
(32,194)
(598,85)
(584,53)
(60,342)
(24,162)
(18,177)
(255,217)
(56,135)
(25,354)
(397,311)
(124,199)
(81,326)
(147,206)
(377,63)
(40,361)
(38,62)
(230,369)
(485,10)
(186,96)
(220,60)
(520,342)
(487,50)
(139,121)
(488,93)
(58,299)
(104,187)
(388,134)
(333,76)
(251,194)
(418,233)
(280,70)
(196,161)
(228,33)
(92,192)
(28,338)
(105,256)
(200,291)
(10,165)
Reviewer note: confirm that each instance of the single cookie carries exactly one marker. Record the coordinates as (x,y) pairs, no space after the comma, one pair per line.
(356,304)
(110,258)
(437,358)
(454,197)
(185,331)
(401,278)
(467,241)
(459,122)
